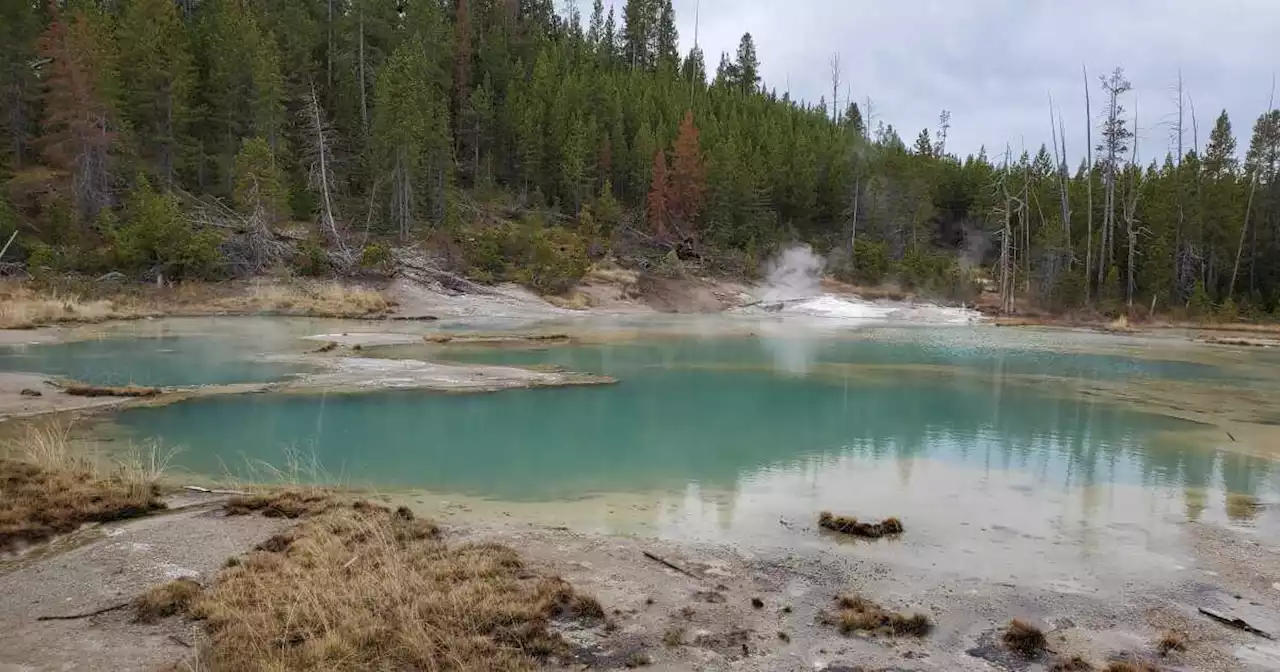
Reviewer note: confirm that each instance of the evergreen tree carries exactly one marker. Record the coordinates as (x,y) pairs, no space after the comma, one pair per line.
(667,38)
(748,64)
(638,32)
(20,27)
(924,146)
(241,89)
(694,68)
(155,82)
(259,184)
(609,40)
(411,136)
(573,164)
(595,33)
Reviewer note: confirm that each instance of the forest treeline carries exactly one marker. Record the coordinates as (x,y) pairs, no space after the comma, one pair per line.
(217,138)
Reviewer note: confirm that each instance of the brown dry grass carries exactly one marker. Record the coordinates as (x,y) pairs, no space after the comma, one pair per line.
(850,525)
(1073,664)
(1125,666)
(1024,639)
(855,613)
(24,307)
(165,600)
(47,489)
(290,503)
(312,299)
(1171,640)
(364,588)
(86,390)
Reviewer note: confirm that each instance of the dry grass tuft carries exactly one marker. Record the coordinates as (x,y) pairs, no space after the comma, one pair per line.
(1171,640)
(1072,664)
(165,600)
(674,636)
(1120,325)
(314,299)
(47,489)
(849,525)
(855,613)
(570,301)
(22,307)
(281,504)
(363,587)
(86,390)
(1126,666)
(1024,639)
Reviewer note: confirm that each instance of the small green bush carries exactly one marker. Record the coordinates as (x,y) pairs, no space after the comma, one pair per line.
(870,261)
(312,260)
(376,257)
(153,234)
(9,224)
(1199,306)
(547,259)
(1228,311)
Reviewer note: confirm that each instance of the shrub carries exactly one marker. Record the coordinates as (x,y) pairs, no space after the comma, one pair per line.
(9,224)
(1199,306)
(154,234)
(545,258)
(376,257)
(870,261)
(312,259)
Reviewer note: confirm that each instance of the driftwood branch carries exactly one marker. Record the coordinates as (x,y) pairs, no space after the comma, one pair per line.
(1235,622)
(89,614)
(207,491)
(417,268)
(8,243)
(672,565)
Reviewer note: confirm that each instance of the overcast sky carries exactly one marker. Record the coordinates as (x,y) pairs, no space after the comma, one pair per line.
(993,63)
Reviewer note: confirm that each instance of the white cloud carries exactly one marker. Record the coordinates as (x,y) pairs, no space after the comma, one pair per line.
(993,63)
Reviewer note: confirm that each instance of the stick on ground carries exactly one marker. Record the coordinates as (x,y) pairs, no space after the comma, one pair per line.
(88,614)
(674,566)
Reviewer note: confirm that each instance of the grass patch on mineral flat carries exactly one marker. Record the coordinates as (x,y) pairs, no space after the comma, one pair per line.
(1024,639)
(852,526)
(363,587)
(855,613)
(47,489)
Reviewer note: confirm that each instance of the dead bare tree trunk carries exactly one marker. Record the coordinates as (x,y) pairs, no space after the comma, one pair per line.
(402,194)
(1179,133)
(1060,167)
(1026,224)
(1253,188)
(320,139)
(835,87)
(1088,174)
(328,53)
(1006,240)
(1131,208)
(364,94)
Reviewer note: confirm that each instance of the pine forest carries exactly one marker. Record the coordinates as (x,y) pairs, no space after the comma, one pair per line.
(514,140)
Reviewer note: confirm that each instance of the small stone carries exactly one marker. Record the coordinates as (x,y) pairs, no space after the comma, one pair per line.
(757,603)
(28,392)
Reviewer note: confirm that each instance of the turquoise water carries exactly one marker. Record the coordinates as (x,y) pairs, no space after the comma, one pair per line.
(161,361)
(718,413)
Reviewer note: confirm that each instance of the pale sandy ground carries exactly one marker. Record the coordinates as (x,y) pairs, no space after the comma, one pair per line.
(712,610)
(1234,569)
